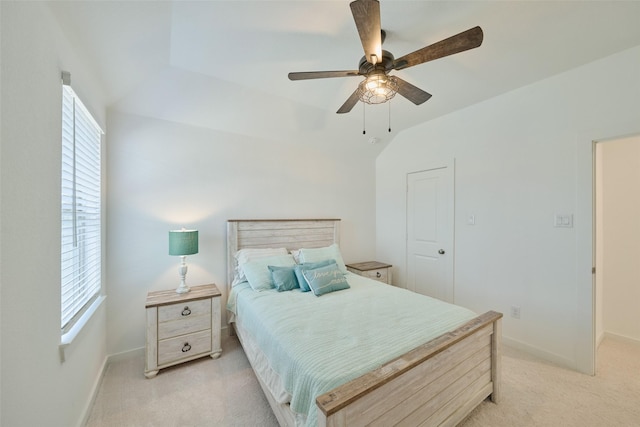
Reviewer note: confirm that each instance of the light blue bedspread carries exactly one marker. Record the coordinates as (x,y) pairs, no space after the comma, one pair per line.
(318,343)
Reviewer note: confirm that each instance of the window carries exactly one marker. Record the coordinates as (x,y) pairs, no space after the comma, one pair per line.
(81,254)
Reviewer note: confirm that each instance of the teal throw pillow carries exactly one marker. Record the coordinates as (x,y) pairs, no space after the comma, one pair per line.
(323,280)
(302,282)
(284,278)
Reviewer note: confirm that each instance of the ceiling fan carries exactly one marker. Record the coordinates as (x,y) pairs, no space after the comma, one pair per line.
(375,65)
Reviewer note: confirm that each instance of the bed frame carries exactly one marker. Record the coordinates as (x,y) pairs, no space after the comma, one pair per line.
(437,383)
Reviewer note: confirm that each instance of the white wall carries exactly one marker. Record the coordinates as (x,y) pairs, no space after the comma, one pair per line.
(621,243)
(37,389)
(164,175)
(518,161)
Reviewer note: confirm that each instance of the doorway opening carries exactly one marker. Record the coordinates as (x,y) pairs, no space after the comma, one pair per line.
(617,239)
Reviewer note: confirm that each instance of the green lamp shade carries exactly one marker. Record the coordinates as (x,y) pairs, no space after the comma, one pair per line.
(183,242)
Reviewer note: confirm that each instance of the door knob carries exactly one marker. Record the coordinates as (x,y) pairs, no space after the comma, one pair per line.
(441,251)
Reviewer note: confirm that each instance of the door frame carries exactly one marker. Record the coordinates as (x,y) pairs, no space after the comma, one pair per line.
(585,333)
(449,177)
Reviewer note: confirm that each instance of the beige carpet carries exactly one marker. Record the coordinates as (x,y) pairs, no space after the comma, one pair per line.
(205,392)
(537,393)
(224,392)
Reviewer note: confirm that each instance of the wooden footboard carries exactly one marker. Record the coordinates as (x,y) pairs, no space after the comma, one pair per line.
(438,383)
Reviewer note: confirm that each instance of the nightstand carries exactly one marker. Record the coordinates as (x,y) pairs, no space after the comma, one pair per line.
(182,327)
(372,269)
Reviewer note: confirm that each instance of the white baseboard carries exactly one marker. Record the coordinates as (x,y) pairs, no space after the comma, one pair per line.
(136,352)
(542,354)
(561,360)
(94,393)
(624,338)
(96,386)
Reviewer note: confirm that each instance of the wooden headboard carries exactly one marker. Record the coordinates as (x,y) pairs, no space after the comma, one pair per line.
(278,233)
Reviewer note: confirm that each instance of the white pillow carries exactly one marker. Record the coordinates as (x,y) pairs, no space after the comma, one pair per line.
(244,256)
(321,254)
(258,273)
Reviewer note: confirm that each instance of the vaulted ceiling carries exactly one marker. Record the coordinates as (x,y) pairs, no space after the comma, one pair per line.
(223,64)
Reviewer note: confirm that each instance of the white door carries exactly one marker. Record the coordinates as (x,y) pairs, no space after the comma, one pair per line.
(430,233)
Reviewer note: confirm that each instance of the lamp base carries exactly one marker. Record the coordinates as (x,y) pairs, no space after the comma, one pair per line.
(182,289)
(182,272)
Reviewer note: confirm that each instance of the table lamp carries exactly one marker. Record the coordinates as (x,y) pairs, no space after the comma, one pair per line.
(182,243)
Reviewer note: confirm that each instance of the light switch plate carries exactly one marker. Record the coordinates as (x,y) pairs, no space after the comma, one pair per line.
(563,220)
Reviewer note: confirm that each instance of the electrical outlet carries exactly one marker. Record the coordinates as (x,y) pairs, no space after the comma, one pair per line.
(515,312)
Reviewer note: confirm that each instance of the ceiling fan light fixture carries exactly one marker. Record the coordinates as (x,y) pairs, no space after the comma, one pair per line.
(377,88)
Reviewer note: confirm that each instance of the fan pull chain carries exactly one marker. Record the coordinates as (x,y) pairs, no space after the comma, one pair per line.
(389,116)
(364,131)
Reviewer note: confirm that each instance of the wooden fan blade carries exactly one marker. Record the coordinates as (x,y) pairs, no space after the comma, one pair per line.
(459,43)
(412,93)
(349,103)
(366,14)
(306,75)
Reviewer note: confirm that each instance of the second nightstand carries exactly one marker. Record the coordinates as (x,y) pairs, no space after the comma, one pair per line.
(182,327)
(372,269)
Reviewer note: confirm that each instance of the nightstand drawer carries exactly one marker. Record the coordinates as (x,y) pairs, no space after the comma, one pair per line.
(184,346)
(373,270)
(184,310)
(184,326)
(381,275)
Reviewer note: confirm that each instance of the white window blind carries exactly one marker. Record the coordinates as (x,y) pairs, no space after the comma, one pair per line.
(81,230)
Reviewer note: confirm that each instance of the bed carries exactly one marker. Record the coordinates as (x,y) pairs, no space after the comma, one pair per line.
(396,382)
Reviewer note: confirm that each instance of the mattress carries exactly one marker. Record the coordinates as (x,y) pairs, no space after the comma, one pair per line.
(309,345)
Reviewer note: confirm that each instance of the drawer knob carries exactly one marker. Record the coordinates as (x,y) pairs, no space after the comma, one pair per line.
(186,311)
(186,347)
(378,275)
